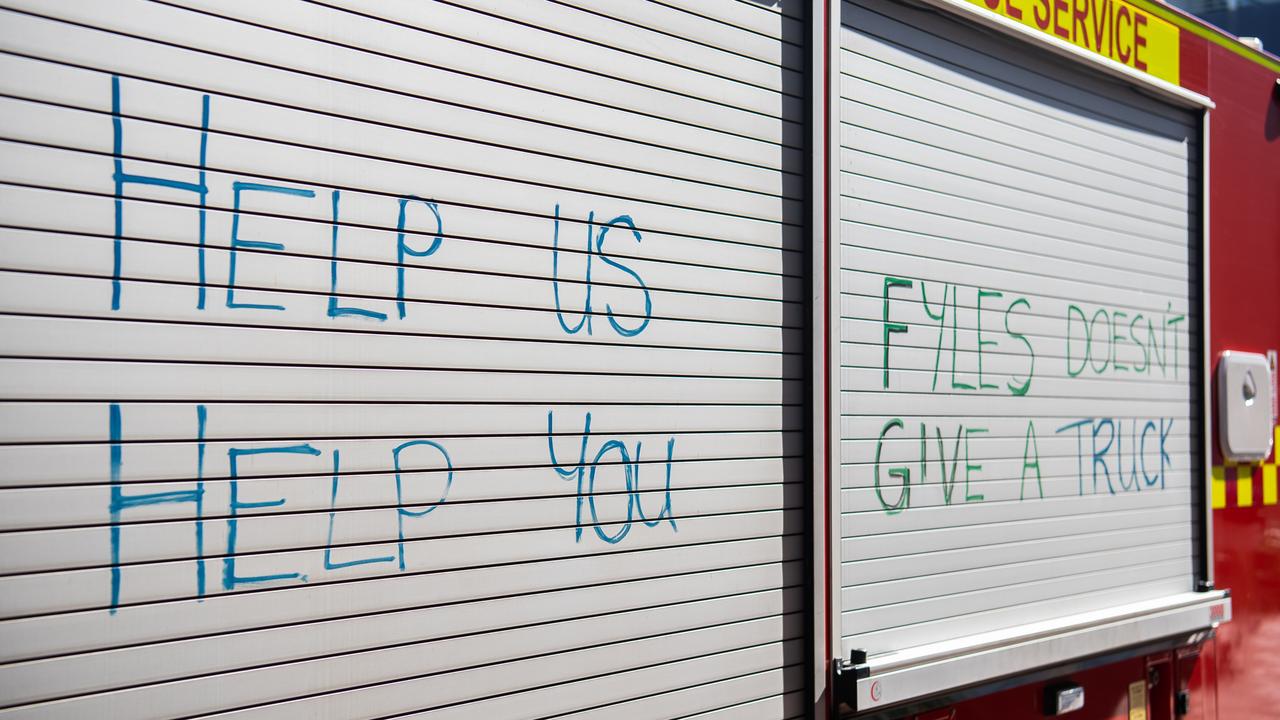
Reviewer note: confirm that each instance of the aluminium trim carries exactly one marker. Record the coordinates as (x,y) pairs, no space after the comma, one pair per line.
(821,597)
(835,230)
(931,669)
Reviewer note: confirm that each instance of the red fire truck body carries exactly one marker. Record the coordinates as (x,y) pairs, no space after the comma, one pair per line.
(1237,670)
(641,359)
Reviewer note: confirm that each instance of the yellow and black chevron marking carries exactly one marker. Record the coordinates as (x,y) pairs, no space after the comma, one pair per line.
(1243,476)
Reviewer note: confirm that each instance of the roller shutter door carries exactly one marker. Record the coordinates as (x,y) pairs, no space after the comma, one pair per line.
(401,359)
(1019,336)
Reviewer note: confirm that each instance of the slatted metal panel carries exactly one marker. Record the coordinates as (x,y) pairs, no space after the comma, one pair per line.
(1018,334)
(401,358)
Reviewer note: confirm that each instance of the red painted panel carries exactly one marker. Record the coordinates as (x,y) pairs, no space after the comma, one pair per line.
(1245,315)
(1196,676)
(1106,696)
(1161,686)
(1193,62)
(1189,669)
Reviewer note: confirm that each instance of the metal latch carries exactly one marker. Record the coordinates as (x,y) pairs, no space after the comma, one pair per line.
(847,674)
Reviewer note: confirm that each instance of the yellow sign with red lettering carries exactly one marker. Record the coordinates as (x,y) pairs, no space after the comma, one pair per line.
(1111,28)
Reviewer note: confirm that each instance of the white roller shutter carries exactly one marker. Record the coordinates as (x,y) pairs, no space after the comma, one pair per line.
(1019,347)
(302,413)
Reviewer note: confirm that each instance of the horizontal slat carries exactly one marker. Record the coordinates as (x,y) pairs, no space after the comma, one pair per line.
(604,26)
(1080,597)
(659,677)
(865,268)
(520,41)
(1012,593)
(911,382)
(75,380)
(996,574)
(347,534)
(50,635)
(88,505)
(870,286)
(1007,372)
(1129,290)
(366,230)
(399,136)
(91,589)
(929,122)
(994,479)
(962,514)
(124,340)
(917,405)
(1025,73)
(671,704)
(884,156)
(864,429)
(1061,346)
(1007,436)
(23,423)
(867,427)
(299,678)
(173,305)
(751,587)
(703,28)
(884,225)
(295,155)
(1002,481)
(887,65)
(415,94)
(90,171)
(31,464)
(929,540)
(318,30)
(790,705)
(662,653)
(856,572)
(990,500)
(758,17)
(434,296)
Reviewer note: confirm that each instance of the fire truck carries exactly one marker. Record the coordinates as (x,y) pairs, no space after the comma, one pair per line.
(903,359)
